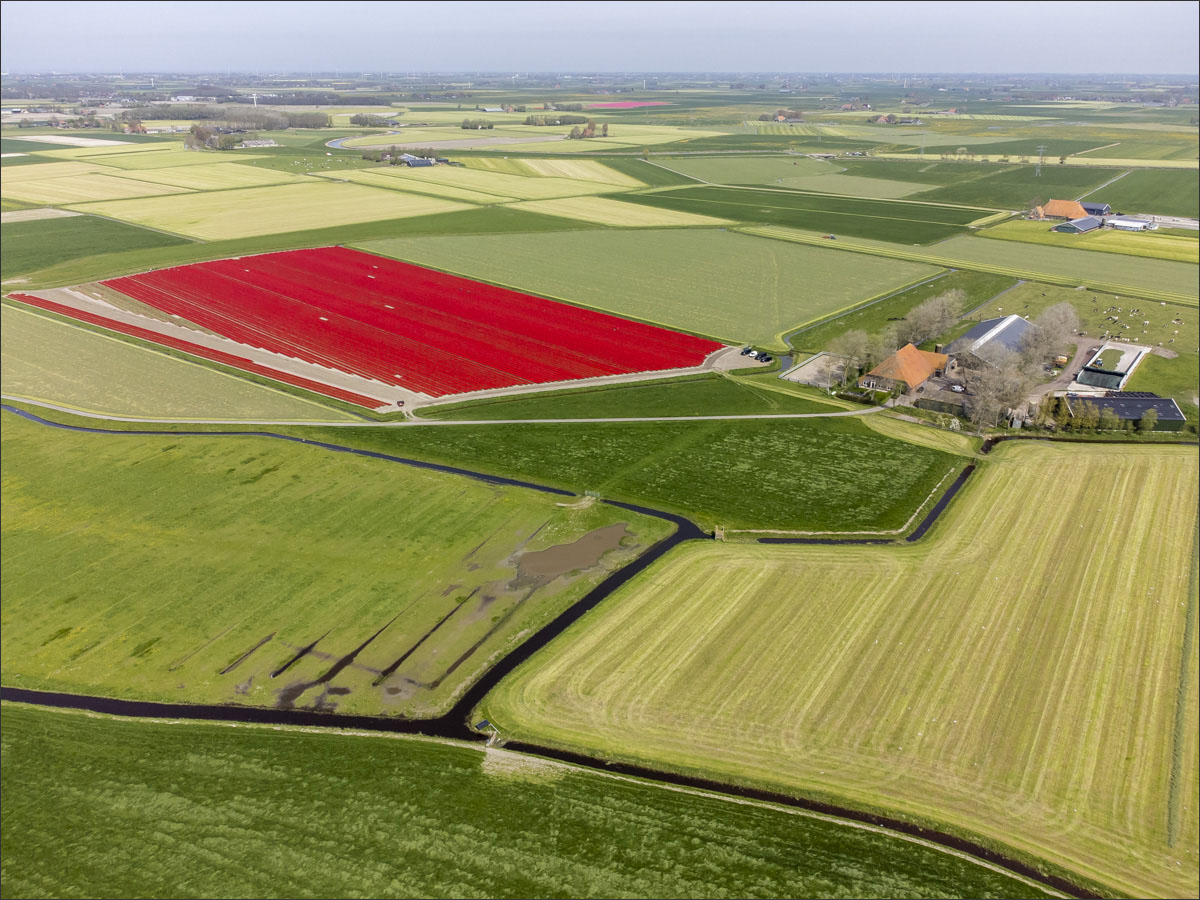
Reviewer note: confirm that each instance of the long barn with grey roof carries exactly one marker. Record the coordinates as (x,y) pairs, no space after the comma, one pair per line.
(1007,332)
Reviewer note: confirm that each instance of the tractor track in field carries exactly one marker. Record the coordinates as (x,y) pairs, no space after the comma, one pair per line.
(455,724)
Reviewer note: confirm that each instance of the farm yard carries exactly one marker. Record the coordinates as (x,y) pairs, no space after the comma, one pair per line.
(716,283)
(444,334)
(856,686)
(435,574)
(114,377)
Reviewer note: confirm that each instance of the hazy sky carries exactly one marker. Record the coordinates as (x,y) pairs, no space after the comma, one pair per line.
(295,35)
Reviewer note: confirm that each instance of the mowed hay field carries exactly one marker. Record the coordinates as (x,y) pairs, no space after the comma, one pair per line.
(53,362)
(390,179)
(574,169)
(605,211)
(710,282)
(215,177)
(195,569)
(501,184)
(271,210)
(82,189)
(275,812)
(1026,675)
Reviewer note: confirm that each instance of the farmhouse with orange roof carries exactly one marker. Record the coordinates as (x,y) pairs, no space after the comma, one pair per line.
(905,370)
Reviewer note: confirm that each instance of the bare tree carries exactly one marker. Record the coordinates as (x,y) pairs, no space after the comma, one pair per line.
(994,385)
(1055,328)
(853,348)
(931,318)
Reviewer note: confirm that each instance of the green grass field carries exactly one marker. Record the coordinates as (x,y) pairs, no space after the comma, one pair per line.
(703,395)
(82,189)
(1155,191)
(747,169)
(607,211)
(706,281)
(977,286)
(29,246)
(573,169)
(53,362)
(1015,187)
(879,219)
(1177,378)
(214,811)
(194,569)
(252,212)
(1131,243)
(218,176)
(815,474)
(1017,675)
(1152,279)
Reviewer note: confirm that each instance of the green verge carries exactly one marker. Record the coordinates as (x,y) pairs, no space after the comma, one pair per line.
(29,246)
(1152,279)
(695,395)
(217,811)
(888,220)
(977,286)
(841,673)
(1152,244)
(710,282)
(490,220)
(192,569)
(51,361)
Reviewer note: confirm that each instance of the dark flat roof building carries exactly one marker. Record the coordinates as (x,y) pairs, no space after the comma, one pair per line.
(1096,209)
(1080,226)
(1130,406)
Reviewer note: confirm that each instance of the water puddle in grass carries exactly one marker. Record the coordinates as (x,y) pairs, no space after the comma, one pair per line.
(584,553)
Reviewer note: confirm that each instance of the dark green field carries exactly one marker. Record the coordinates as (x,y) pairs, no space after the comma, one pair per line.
(205,810)
(1161,192)
(1015,187)
(16,145)
(978,287)
(29,246)
(807,474)
(648,173)
(906,223)
(704,395)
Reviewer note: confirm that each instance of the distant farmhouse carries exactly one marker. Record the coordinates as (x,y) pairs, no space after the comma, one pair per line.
(1007,332)
(1131,406)
(905,370)
(1060,209)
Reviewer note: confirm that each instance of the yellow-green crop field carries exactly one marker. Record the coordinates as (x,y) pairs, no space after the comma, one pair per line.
(174,158)
(42,171)
(83,189)
(1132,243)
(1027,674)
(574,169)
(271,210)
(501,184)
(605,211)
(53,362)
(215,177)
(114,150)
(390,179)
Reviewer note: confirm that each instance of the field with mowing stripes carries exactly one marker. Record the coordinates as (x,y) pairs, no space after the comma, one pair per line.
(1131,243)
(391,179)
(404,325)
(880,219)
(271,210)
(502,184)
(216,177)
(174,158)
(197,569)
(58,363)
(1154,191)
(82,189)
(574,169)
(606,211)
(515,826)
(704,281)
(1026,674)
(1153,279)
(747,169)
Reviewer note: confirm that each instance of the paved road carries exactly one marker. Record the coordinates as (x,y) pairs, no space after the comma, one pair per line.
(414,423)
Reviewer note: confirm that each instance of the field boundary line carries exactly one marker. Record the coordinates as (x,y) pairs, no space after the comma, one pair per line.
(1106,184)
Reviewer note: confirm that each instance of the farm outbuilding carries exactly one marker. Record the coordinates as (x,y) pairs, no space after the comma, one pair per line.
(1007,332)
(1079,226)
(1111,365)
(906,369)
(1124,223)
(1131,406)
(1096,209)
(1062,209)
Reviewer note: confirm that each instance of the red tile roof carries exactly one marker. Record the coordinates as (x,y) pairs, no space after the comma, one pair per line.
(910,365)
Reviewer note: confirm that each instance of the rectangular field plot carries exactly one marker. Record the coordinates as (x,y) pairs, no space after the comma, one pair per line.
(272,210)
(1017,675)
(747,169)
(174,158)
(1140,243)
(57,363)
(404,325)
(83,189)
(215,177)
(112,151)
(574,169)
(199,569)
(29,246)
(707,282)
(1159,193)
(390,179)
(500,183)
(911,223)
(40,171)
(604,211)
